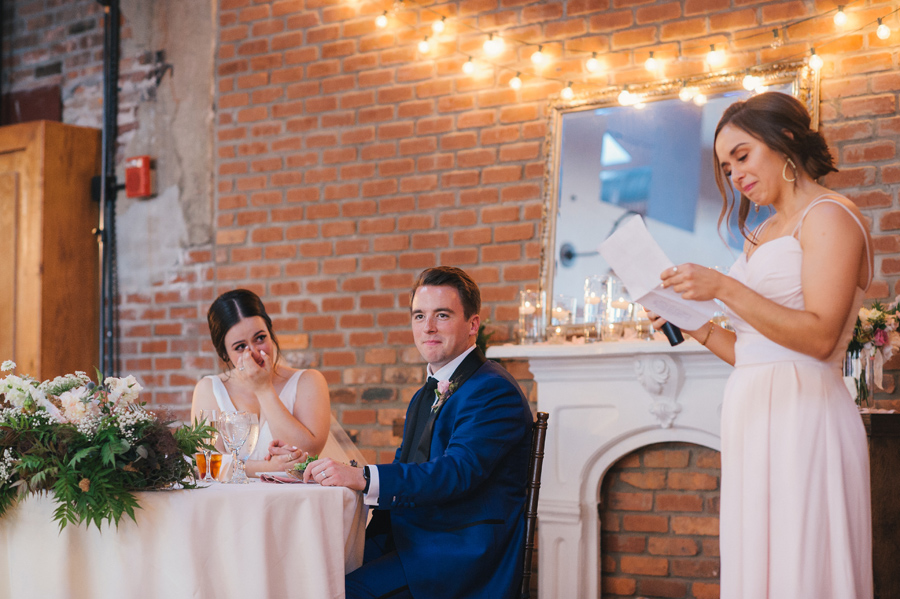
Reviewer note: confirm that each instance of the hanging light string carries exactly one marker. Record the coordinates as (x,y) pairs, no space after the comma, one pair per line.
(495,45)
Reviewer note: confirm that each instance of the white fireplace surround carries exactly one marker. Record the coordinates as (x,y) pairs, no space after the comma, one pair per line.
(605,400)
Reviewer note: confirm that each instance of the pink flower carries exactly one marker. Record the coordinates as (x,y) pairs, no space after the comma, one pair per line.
(443,387)
(880,338)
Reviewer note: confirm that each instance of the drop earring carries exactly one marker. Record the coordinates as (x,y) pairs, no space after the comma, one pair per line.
(756,208)
(784,170)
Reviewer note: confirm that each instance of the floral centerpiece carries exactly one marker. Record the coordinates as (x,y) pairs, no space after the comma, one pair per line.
(90,445)
(875,339)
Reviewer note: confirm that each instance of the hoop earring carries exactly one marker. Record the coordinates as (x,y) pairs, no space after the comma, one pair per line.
(784,170)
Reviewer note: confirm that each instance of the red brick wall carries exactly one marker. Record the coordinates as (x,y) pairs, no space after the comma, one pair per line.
(659,519)
(347,161)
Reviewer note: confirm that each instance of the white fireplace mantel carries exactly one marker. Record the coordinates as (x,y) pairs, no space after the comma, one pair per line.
(606,400)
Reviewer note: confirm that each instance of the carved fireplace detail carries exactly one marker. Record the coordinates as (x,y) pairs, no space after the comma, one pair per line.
(606,400)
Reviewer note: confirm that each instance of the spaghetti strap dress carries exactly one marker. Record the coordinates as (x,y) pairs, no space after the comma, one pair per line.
(338,446)
(795,519)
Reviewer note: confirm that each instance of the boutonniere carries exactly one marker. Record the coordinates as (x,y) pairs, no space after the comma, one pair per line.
(443,392)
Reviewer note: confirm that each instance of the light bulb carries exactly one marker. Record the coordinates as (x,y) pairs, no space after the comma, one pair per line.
(592,64)
(687,93)
(626,98)
(815,61)
(381,20)
(468,67)
(651,64)
(493,45)
(424,45)
(567,93)
(750,82)
(438,26)
(538,56)
(883,32)
(515,82)
(700,99)
(840,17)
(715,58)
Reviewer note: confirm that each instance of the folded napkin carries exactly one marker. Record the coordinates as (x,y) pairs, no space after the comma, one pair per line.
(281,478)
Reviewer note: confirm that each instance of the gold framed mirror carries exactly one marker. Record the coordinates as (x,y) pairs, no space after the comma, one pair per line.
(647,151)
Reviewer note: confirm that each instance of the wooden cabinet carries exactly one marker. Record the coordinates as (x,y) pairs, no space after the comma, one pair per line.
(884,461)
(49,257)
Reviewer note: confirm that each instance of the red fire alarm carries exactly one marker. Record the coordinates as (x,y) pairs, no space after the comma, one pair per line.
(139,173)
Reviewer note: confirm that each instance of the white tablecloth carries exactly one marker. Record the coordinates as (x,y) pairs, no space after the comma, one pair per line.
(242,541)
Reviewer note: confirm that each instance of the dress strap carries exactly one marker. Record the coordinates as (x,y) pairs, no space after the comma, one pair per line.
(221,394)
(821,200)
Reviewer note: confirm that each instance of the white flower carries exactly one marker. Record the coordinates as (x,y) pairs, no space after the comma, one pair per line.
(8,366)
(17,390)
(127,389)
(77,405)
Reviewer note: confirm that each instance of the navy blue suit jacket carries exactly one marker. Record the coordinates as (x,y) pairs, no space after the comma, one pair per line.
(457,519)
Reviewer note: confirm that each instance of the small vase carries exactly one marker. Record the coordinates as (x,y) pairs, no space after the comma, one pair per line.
(859,371)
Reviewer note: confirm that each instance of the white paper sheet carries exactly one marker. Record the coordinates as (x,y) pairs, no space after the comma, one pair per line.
(638,260)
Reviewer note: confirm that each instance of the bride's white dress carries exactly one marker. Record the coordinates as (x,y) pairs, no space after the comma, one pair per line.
(338,446)
(795,512)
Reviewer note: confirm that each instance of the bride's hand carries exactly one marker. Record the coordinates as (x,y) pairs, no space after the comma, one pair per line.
(254,371)
(283,456)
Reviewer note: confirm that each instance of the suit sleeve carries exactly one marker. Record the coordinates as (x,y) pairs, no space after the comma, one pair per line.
(489,421)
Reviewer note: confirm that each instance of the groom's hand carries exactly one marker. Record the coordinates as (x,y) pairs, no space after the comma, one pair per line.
(329,473)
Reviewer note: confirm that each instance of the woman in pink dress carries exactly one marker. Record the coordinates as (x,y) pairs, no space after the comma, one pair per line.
(795,509)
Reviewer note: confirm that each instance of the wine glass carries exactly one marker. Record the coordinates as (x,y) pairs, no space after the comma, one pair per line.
(210,418)
(250,444)
(235,428)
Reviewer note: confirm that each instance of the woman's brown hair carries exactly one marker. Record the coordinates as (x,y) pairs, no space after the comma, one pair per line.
(782,123)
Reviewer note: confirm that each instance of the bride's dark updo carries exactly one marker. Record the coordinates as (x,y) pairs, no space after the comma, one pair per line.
(782,123)
(229,309)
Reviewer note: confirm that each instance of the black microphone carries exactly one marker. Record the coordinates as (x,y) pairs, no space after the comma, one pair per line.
(673,333)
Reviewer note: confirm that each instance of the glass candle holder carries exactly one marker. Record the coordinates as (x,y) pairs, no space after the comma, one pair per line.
(531,316)
(594,301)
(563,310)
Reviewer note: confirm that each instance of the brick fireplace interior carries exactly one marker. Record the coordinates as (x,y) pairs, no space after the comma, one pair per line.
(659,522)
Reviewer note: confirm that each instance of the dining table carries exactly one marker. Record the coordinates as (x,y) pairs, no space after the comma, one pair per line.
(220,541)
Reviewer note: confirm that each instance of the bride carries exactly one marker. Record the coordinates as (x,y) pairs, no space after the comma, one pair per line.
(292,405)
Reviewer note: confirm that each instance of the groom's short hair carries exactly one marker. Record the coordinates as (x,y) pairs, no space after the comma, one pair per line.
(450,276)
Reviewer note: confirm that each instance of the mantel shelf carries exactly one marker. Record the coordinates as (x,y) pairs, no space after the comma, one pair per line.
(581,350)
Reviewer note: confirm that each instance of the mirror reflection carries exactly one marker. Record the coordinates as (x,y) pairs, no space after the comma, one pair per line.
(614,161)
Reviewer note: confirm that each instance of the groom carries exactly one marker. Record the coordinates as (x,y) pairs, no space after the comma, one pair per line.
(449,521)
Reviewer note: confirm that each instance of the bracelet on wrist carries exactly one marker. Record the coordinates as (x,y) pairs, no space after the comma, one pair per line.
(709,331)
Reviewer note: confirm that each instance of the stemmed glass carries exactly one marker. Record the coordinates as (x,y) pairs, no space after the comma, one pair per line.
(250,444)
(210,417)
(235,428)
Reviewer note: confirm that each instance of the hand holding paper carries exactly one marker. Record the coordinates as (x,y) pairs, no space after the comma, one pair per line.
(637,259)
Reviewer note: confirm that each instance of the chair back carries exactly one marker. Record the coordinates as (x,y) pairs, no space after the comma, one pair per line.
(538,436)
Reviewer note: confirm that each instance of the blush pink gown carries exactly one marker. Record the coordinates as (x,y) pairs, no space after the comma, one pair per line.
(795,517)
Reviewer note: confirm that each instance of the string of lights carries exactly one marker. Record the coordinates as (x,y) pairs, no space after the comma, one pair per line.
(496,43)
